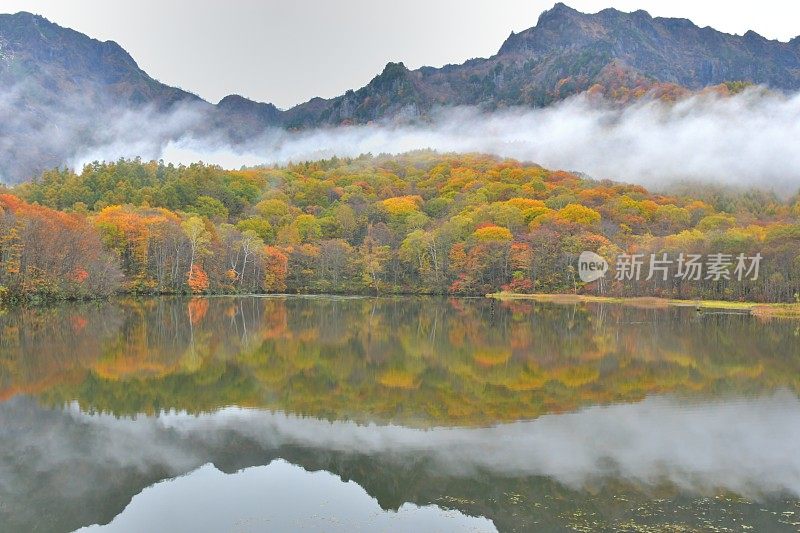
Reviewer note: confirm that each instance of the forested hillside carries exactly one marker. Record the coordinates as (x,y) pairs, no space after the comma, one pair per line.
(416,223)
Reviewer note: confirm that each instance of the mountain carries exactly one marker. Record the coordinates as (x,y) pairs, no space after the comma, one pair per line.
(52,62)
(241,117)
(568,52)
(64,93)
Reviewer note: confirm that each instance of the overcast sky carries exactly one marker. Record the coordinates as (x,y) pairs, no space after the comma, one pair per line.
(286,52)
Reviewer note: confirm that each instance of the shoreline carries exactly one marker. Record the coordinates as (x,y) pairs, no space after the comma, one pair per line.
(770,310)
(757,309)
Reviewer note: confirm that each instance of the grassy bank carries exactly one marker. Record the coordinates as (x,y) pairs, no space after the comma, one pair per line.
(782,310)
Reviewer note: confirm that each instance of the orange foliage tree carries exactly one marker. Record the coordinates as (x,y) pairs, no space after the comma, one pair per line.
(276,268)
(197,279)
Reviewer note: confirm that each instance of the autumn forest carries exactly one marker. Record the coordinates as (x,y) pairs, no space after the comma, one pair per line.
(418,223)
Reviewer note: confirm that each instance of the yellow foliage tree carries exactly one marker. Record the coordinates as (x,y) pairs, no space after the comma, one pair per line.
(492,234)
(402,205)
(579,214)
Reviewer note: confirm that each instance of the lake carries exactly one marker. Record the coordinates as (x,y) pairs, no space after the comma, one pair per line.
(394,414)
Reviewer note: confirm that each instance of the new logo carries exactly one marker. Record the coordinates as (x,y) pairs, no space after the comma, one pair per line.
(591,267)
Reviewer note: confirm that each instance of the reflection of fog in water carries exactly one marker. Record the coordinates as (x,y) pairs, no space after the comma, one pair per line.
(747,446)
(87,467)
(277,497)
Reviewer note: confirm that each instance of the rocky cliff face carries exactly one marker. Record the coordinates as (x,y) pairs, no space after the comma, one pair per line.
(55,64)
(568,52)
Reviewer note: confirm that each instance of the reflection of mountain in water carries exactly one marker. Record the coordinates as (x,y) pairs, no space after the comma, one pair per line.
(418,362)
(599,466)
(277,497)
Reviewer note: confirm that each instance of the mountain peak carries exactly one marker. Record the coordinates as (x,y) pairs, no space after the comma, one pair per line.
(394,69)
(233,99)
(240,103)
(561,8)
(240,118)
(40,41)
(559,23)
(750,35)
(24,16)
(558,11)
(392,74)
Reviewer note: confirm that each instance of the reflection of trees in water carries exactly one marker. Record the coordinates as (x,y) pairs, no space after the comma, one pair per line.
(414,361)
(40,347)
(411,360)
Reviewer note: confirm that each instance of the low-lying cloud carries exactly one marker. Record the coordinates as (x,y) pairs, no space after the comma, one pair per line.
(748,140)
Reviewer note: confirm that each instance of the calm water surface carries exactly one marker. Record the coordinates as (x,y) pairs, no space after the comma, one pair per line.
(421,414)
